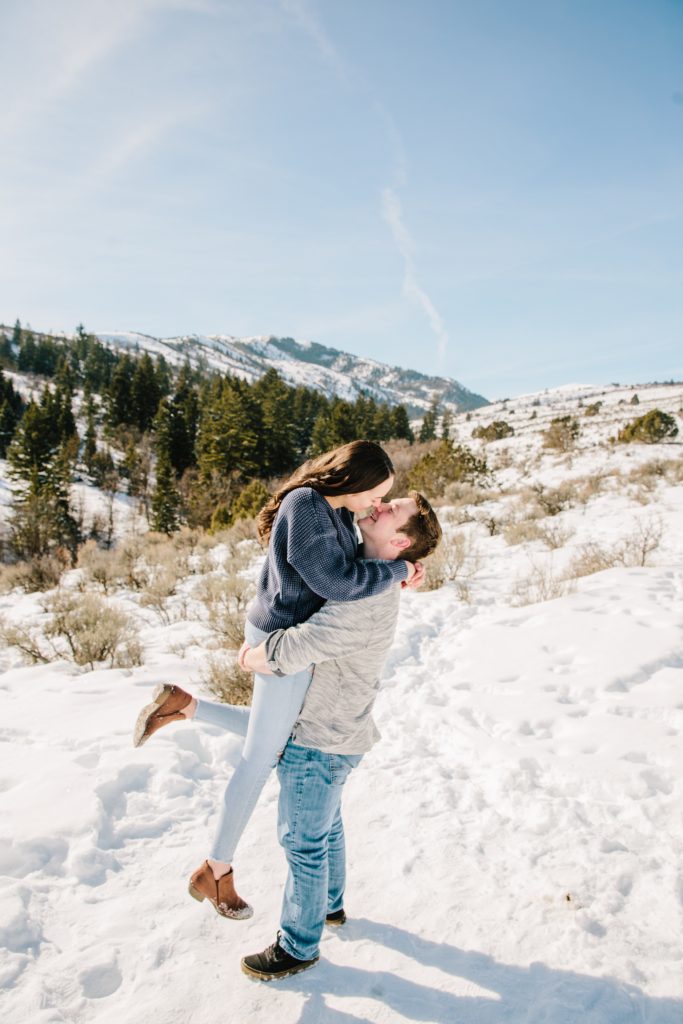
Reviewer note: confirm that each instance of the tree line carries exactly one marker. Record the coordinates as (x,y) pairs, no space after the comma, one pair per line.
(193,446)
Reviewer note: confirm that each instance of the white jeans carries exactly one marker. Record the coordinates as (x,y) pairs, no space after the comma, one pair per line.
(267,726)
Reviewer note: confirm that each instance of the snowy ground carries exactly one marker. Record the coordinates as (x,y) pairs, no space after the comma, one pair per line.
(514,839)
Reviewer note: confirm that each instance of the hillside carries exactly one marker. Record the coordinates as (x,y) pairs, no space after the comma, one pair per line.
(299,363)
(514,838)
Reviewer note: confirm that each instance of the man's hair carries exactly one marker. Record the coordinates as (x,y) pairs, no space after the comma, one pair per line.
(422,528)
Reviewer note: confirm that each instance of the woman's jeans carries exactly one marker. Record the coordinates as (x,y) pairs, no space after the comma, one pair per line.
(267,725)
(311,831)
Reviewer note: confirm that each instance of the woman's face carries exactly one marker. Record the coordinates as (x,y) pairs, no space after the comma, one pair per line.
(363,501)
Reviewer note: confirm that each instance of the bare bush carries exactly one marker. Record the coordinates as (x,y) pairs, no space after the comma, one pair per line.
(555,535)
(25,640)
(561,434)
(98,566)
(588,487)
(631,551)
(43,572)
(226,598)
(456,560)
(522,532)
(162,584)
(591,558)
(540,585)
(82,628)
(226,681)
(553,500)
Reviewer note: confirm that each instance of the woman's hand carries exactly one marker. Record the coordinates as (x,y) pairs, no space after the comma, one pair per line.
(416,575)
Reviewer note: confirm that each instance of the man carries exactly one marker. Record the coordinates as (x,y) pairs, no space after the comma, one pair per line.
(347,642)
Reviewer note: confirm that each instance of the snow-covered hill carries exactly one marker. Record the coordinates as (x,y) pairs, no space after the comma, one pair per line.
(308,363)
(514,840)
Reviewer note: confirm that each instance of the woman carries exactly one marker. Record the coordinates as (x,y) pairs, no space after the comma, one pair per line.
(311,558)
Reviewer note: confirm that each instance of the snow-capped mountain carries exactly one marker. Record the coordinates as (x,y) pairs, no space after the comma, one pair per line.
(305,362)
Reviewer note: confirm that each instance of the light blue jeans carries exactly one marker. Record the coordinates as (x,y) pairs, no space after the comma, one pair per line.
(311,831)
(267,725)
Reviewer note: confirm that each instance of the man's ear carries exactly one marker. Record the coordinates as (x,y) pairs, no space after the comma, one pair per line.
(400,541)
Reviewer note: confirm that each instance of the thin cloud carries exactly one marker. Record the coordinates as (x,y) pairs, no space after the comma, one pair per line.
(393,215)
(301,12)
(69,41)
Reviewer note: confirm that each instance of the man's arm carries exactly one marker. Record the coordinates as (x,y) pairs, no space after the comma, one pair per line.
(336,630)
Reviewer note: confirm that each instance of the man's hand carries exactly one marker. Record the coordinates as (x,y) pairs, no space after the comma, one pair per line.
(416,575)
(253,659)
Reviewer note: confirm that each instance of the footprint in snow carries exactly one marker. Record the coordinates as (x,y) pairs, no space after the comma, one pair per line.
(100,981)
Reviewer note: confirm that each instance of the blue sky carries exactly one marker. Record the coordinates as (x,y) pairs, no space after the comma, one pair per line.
(486,189)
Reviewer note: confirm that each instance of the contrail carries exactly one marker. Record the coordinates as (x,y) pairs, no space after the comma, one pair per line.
(392,213)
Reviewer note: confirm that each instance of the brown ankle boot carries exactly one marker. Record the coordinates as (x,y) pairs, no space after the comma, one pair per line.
(221,893)
(167,703)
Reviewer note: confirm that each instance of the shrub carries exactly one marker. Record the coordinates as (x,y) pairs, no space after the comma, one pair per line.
(561,434)
(445,464)
(43,572)
(226,598)
(553,500)
(98,566)
(522,532)
(82,628)
(456,560)
(495,431)
(249,501)
(226,681)
(654,426)
(593,409)
(633,550)
(539,585)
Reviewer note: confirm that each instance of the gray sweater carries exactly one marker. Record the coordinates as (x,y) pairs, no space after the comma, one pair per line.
(348,643)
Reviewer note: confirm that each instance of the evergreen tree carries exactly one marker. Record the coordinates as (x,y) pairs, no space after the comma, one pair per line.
(11,410)
(40,464)
(165,498)
(145,393)
(228,438)
(118,396)
(446,424)
(401,424)
(184,411)
(278,450)
(428,428)
(90,438)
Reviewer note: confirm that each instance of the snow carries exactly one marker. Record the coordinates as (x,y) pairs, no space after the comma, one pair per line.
(514,840)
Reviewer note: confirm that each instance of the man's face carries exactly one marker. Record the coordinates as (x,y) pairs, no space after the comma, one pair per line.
(381,529)
(363,500)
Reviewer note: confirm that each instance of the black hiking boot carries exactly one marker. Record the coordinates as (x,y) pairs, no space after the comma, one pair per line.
(274,962)
(336,918)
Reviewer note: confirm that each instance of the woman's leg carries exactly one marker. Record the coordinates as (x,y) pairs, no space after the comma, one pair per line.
(275,708)
(226,716)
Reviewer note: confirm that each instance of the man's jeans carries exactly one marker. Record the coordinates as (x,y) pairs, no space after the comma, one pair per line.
(311,832)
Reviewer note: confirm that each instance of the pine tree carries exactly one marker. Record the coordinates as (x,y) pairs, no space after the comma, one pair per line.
(118,396)
(41,464)
(165,498)
(446,424)
(11,410)
(145,393)
(428,428)
(90,437)
(401,424)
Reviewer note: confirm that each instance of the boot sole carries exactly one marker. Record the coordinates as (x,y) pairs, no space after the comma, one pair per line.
(233,915)
(262,976)
(158,697)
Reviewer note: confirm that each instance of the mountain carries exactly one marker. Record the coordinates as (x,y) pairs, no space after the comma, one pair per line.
(306,362)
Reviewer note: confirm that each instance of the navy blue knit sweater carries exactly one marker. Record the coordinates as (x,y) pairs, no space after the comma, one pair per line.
(312,559)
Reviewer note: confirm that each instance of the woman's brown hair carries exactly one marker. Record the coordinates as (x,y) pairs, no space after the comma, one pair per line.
(350,469)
